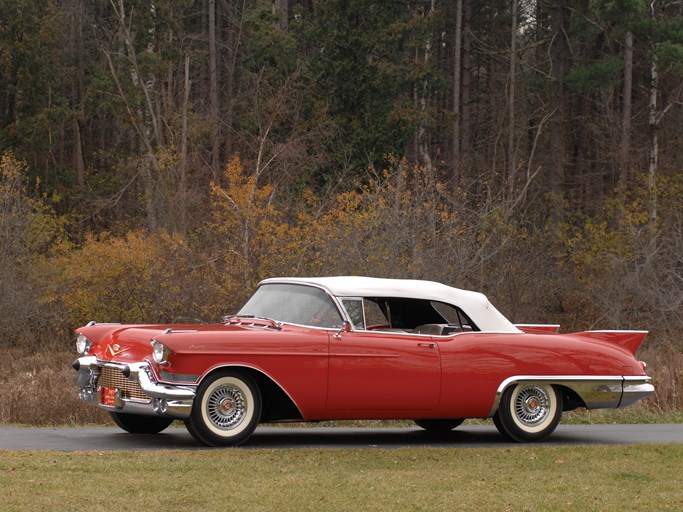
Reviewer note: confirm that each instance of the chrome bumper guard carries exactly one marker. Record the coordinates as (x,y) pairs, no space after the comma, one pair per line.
(161,399)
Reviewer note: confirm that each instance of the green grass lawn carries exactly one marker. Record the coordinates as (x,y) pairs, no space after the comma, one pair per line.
(533,478)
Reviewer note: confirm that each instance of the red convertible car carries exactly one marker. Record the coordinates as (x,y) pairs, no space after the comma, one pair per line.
(310,349)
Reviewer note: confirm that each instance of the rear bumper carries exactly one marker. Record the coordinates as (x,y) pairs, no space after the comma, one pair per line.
(635,388)
(134,389)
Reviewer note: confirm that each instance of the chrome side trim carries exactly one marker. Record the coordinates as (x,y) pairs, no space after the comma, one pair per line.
(540,325)
(620,330)
(187,379)
(597,391)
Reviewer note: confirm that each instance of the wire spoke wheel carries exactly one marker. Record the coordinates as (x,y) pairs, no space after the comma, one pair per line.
(529,412)
(227,407)
(226,410)
(532,405)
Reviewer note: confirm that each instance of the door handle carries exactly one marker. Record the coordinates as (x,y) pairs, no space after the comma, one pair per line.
(427,345)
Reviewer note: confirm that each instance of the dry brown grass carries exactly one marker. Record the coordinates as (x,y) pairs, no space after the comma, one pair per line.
(38,389)
(665,366)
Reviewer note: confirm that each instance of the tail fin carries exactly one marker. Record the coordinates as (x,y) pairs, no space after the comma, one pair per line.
(630,340)
(539,328)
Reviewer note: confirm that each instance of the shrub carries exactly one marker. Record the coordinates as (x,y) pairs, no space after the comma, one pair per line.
(139,278)
(28,229)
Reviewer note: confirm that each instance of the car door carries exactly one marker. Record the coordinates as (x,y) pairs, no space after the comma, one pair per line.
(383,371)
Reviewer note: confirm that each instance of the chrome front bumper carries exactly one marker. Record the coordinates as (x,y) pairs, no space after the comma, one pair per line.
(136,391)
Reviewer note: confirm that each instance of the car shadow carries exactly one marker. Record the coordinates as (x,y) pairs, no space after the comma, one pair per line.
(331,437)
(323,437)
(307,437)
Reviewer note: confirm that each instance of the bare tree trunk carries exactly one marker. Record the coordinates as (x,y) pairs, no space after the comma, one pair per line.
(148,184)
(625,148)
(581,182)
(421,99)
(281,11)
(465,107)
(233,11)
(511,101)
(457,71)
(168,103)
(654,147)
(182,227)
(138,80)
(213,88)
(558,65)
(79,157)
(149,132)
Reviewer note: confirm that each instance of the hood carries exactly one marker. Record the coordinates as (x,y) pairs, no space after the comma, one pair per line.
(121,343)
(131,343)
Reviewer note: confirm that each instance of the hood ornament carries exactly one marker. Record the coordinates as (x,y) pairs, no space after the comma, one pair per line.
(116,349)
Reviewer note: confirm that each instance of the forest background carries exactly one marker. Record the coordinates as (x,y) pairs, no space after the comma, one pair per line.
(160,158)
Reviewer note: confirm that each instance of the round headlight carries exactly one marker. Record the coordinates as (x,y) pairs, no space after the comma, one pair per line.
(159,352)
(83,344)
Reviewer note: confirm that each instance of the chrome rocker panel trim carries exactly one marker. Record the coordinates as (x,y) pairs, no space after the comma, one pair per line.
(597,392)
(167,400)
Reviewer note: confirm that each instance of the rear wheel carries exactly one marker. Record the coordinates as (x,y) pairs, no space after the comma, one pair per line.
(439,426)
(528,412)
(226,410)
(139,423)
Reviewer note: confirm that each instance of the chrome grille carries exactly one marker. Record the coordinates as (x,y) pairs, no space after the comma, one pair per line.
(113,378)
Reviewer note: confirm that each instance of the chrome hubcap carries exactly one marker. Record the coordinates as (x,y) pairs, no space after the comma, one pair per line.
(532,405)
(226,407)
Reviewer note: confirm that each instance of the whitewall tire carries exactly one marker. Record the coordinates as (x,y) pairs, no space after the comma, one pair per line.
(226,410)
(529,411)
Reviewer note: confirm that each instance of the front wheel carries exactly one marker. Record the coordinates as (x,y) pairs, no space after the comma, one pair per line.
(226,410)
(140,424)
(528,412)
(439,426)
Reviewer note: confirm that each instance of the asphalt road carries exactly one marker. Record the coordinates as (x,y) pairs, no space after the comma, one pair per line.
(466,436)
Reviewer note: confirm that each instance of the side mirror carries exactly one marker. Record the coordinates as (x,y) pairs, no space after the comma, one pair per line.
(346,327)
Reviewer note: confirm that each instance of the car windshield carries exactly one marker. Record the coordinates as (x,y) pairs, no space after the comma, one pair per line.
(295,304)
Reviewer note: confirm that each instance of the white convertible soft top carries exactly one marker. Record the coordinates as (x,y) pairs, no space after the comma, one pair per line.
(474,304)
